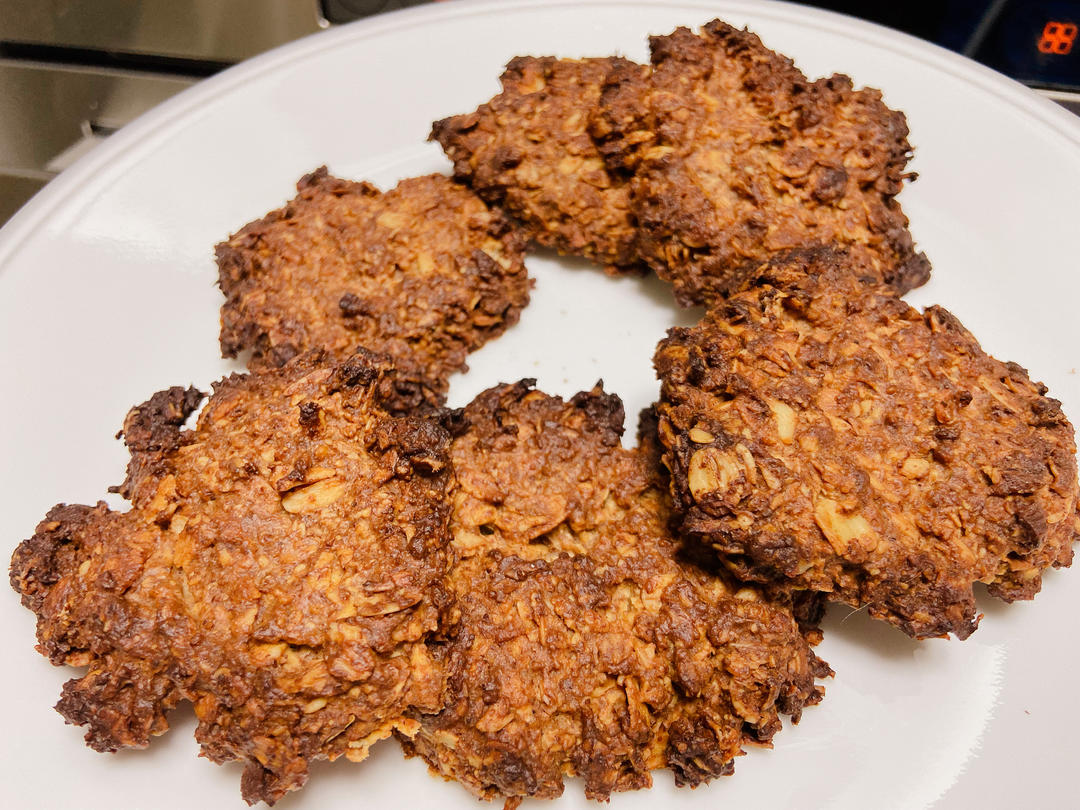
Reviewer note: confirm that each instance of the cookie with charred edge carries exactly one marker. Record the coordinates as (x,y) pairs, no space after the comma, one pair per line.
(423,272)
(582,643)
(280,567)
(528,150)
(737,156)
(808,607)
(824,434)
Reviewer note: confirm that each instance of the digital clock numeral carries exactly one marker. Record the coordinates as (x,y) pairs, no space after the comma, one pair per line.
(1057,38)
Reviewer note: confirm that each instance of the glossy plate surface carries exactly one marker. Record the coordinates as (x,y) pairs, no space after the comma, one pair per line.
(107,294)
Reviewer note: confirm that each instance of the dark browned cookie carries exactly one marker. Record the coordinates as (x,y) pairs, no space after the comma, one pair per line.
(280,568)
(823,433)
(583,644)
(424,272)
(528,151)
(738,156)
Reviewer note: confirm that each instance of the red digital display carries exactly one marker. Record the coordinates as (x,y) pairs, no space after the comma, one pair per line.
(1057,37)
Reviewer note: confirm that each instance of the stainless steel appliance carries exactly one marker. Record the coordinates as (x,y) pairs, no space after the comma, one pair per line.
(74,71)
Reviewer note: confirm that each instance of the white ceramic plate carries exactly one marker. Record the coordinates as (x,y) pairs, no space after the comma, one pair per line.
(107,295)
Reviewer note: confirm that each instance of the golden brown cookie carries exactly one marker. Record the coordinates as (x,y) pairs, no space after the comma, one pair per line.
(280,568)
(736,156)
(582,642)
(528,150)
(423,272)
(824,434)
